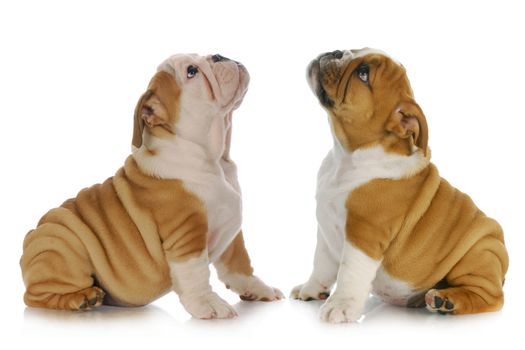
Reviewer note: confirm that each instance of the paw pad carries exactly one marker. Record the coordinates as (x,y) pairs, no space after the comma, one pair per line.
(93,297)
(320,296)
(438,303)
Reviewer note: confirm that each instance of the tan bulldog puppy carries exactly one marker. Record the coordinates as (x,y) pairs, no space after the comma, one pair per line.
(174,207)
(387,222)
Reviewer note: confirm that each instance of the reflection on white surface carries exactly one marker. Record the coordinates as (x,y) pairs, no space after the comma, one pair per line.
(65,83)
(261,324)
(104,314)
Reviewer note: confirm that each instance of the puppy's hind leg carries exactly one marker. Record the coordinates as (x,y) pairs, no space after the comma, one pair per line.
(475,282)
(235,271)
(57,271)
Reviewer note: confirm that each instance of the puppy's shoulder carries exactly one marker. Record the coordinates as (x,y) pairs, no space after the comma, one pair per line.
(395,196)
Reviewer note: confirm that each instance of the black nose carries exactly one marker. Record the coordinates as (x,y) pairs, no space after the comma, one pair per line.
(337,54)
(218,58)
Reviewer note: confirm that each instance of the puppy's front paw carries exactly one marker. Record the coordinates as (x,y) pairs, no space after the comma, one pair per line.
(208,306)
(341,309)
(310,291)
(253,289)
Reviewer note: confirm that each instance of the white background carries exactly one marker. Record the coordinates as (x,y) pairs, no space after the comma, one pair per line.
(71,73)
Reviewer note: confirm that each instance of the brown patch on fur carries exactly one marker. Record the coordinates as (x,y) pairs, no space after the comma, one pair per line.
(121,232)
(235,258)
(426,231)
(365,114)
(157,108)
(409,122)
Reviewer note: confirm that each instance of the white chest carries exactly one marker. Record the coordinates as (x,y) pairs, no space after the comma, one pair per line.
(331,211)
(213,182)
(341,172)
(223,208)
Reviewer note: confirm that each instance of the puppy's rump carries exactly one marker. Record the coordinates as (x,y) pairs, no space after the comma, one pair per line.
(429,229)
(115,235)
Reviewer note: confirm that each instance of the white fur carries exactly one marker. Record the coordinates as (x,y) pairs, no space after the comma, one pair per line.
(392,290)
(190,280)
(323,276)
(250,287)
(356,273)
(187,161)
(341,172)
(198,153)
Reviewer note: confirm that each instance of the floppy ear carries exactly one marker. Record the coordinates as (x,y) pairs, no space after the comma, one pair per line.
(408,120)
(157,106)
(138,122)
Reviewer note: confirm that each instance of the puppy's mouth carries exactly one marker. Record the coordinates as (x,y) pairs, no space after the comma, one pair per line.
(242,87)
(317,75)
(319,90)
(231,80)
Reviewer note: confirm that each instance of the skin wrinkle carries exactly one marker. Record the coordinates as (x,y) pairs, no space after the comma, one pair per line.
(233,97)
(211,79)
(209,87)
(424,230)
(139,229)
(346,80)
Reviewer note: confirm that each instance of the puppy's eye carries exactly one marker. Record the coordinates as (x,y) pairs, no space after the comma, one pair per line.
(192,71)
(362,72)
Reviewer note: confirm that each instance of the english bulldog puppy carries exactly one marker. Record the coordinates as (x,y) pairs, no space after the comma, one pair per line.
(387,222)
(170,211)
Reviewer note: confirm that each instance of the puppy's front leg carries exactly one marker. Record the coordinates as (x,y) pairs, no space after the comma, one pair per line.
(354,280)
(323,275)
(235,271)
(191,281)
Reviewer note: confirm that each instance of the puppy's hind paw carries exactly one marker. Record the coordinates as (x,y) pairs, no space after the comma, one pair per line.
(436,302)
(92,298)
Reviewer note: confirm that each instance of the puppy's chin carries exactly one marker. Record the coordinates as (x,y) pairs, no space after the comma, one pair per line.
(242,88)
(326,69)
(312,75)
(244,79)
(315,78)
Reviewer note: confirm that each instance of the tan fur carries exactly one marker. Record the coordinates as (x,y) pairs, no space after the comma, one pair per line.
(360,116)
(157,108)
(133,238)
(118,235)
(235,258)
(425,230)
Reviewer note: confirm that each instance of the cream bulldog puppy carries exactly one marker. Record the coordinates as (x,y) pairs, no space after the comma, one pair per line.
(170,211)
(387,222)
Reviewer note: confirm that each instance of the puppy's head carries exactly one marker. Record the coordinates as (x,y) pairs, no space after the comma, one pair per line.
(204,86)
(369,99)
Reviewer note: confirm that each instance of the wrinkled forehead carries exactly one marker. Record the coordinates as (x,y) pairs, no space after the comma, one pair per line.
(177,63)
(358,54)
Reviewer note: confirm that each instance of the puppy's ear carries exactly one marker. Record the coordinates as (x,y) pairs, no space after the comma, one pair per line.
(157,107)
(138,122)
(408,120)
